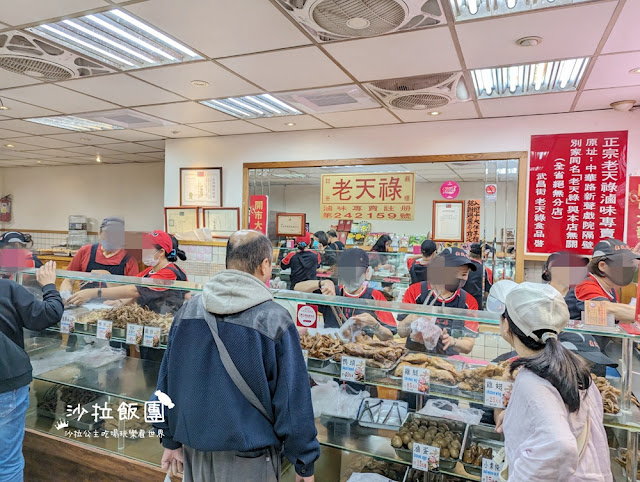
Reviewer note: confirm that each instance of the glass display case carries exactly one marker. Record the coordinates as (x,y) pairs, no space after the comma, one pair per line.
(94,372)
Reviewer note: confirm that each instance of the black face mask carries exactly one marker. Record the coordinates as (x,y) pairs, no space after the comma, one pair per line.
(622,276)
(455,286)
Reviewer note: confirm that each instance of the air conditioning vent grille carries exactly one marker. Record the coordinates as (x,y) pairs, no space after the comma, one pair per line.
(359,18)
(35,68)
(419,101)
(412,83)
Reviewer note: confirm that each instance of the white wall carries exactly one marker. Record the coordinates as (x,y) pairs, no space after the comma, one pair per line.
(427,138)
(44,197)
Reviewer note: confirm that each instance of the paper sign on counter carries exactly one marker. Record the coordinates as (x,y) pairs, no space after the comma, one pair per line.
(67,324)
(151,336)
(104,330)
(425,457)
(135,334)
(497,393)
(490,470)
(353,369)
(415,380)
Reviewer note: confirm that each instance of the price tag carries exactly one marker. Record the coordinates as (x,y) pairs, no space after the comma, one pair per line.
(134,334)
(425,457)
(352,369)
(490,470)
(151,336)
(104,330)
(497,393)
(67,324)
(305,354)
(595,313)
(415,380)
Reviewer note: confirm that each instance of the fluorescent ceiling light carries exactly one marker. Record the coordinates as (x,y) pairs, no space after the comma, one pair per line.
(117,39)
(544,77)
(74,123)
(252,106)
(470,9)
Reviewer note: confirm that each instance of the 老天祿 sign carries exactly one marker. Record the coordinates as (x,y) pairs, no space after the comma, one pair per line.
(388,195)
(258,213)
(576,193)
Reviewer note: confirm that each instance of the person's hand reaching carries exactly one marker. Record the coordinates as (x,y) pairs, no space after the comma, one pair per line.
(46,274)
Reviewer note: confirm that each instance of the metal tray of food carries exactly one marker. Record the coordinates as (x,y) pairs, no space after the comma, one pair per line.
(318,362)
(119,333)
(371,373)
(484,436)
(473,395)
(382,413)
(459,365)
(457,429)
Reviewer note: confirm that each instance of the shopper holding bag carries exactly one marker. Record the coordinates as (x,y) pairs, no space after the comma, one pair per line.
(553,426)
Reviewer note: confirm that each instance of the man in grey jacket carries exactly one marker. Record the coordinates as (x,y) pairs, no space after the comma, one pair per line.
(236,377)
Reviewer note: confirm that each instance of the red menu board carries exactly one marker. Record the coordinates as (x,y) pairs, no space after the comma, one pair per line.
(258,212)
(576,191)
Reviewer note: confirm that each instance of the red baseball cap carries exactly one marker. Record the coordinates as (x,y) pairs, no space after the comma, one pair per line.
(159,238)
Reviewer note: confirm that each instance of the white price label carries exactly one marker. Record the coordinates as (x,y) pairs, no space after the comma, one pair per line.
(134,334)
(151,336)
(415,380)
(104,330)
(305,354)
(425,457)
(352,369)
(67,324)
(490,470)
(497,393)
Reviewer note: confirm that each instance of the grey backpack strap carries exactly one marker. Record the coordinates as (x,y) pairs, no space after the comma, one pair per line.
(232,370)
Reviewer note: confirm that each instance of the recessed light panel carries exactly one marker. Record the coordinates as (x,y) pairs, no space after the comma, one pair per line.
(118,39)
(540,78)
(252,106)
(470,9)
(74,123)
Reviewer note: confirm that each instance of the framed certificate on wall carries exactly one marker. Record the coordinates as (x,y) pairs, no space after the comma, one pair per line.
(290,224)
(201,186)
(222,222)
(180,220)
(448,221)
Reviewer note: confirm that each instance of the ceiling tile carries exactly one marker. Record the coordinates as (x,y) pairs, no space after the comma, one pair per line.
(159,155)
(7,134)
(19,146)
(177,78)
(129,135)
(601,99)
(369,117)
(130,147)
(624,36)
(613,71)
(424,51)
(288,69)
(47,142)
(461,110)
(31,11)
(185,112)
(566,32)
(83,138)
(21,110)
(527,105)
(182,131)
(30,128)
(10,79)
(56,98)
(230,128)
(261,25)
(302,123)
(156,144)
(122,89)
(91,150)
(45,153)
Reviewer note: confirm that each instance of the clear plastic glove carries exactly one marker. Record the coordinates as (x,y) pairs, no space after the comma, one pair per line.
(65,295)
(424,330)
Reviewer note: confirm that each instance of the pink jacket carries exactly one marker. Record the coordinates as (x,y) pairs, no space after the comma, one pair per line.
(540,434)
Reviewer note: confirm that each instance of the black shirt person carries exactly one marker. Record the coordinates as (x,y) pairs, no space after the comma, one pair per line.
(418,269)
(304,262)
(473,286)
(334,242)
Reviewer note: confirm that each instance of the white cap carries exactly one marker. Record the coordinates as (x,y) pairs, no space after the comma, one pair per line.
(498,295)
(535,306)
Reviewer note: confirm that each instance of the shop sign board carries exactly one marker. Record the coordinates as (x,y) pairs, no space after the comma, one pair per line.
(364,196)
(633,212)
(490,193)
(472,234)
(307,316)
(576,194)
(258,213)
(450,189)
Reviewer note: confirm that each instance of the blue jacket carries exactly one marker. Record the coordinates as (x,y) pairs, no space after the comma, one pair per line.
(210,413)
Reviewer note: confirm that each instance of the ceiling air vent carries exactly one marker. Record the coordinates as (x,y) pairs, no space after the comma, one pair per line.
(331,20)
(332,99)
(23,54)
(421,92)
(126,119)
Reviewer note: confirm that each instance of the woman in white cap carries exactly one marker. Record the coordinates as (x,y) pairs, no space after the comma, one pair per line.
(553,424)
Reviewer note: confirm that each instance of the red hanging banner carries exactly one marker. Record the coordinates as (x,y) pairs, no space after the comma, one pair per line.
(633,212)
(576,191)
(258,213)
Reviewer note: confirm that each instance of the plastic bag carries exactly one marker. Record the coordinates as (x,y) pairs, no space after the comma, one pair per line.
(350,329)
(429,331)
(360,477)
(336,400)
(88,357)
(448,409)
